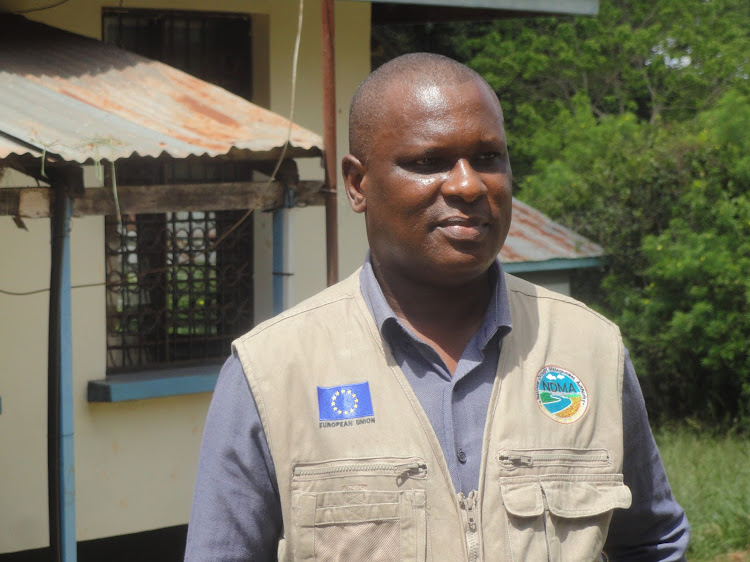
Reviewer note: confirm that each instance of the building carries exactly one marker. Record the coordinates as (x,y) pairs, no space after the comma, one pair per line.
(545,252)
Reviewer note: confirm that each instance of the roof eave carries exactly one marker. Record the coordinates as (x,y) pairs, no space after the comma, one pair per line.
(554,264)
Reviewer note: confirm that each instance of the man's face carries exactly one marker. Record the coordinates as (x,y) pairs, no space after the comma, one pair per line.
(436,183)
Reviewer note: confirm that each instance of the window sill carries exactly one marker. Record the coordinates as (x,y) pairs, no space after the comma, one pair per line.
(154,384)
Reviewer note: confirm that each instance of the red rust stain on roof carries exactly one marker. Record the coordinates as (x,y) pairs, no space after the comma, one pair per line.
(507,254)
(198,107)
(539,226)
(101,102)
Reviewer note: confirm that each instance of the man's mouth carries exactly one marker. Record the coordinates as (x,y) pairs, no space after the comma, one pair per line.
(463,228)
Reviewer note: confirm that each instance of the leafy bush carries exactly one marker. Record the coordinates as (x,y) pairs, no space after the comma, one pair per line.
(695,306)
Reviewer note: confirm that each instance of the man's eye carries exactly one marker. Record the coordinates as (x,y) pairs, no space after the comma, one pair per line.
(489,156)
(427,165)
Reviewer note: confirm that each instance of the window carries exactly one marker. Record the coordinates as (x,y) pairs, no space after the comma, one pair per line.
(174,295)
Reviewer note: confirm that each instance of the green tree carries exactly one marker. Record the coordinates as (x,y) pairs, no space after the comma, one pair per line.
(692,322)
(662,59)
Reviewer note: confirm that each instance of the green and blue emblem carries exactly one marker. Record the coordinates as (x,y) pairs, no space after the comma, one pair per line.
(560,394)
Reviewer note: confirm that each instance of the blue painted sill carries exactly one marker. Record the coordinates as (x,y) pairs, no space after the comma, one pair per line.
(154,384)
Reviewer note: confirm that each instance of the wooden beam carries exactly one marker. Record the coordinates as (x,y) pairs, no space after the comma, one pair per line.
(34,202)
(25,202)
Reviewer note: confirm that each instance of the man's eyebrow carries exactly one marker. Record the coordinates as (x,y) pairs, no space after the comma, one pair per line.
(426,146)
(429,150)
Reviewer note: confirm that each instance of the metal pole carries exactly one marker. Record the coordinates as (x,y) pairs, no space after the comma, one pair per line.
(60,453)
(329,139)
(277,230)
(283,221)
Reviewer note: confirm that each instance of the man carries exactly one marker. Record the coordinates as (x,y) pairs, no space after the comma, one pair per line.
(430,407)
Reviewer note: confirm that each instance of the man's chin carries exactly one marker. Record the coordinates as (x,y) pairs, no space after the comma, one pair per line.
(456,273)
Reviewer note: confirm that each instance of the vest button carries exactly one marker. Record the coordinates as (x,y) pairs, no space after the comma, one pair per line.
(461,457)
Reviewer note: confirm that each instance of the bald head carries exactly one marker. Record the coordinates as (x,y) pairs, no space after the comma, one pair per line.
(368,107)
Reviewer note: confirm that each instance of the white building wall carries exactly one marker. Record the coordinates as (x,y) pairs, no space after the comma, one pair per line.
(24,266)
(556,280)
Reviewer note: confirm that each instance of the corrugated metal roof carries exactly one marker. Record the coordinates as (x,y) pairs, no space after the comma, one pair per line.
(577,7)
(534,237)
(9,145)
(84,101)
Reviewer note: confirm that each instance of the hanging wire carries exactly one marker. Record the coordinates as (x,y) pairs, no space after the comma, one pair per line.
(37,291)
(114,193)
(40,8)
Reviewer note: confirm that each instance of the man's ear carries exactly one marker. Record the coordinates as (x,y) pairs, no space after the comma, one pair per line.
(354,173)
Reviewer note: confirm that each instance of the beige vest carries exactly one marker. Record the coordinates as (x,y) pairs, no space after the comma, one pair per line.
(378,487)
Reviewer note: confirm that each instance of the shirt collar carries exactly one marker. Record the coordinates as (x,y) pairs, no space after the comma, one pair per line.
(497,318)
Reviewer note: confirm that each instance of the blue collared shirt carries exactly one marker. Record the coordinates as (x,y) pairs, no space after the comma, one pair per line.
(455,405)
(236,512)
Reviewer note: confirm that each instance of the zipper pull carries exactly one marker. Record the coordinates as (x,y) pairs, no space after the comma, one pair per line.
(516,460)
(406,470)
(413,466)
(469,504)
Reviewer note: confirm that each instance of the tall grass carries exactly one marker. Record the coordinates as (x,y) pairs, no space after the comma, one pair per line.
(710,477)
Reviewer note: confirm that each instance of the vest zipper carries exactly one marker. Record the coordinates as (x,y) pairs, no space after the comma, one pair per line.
(413,468)
(469,516)
(516,459)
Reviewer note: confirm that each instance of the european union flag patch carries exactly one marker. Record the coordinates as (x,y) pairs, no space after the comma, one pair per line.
(344,402)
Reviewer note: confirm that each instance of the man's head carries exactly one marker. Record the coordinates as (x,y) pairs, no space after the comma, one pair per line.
(368,105)
(429,168)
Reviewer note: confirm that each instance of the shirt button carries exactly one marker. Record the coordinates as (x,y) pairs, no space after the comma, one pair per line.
(461,457)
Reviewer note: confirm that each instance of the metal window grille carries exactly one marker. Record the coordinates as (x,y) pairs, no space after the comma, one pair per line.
(215,47)
(173,295)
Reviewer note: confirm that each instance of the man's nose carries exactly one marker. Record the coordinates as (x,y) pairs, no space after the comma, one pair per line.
(464,181)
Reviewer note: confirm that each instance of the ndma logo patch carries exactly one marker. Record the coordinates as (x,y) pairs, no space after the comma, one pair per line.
(560,394)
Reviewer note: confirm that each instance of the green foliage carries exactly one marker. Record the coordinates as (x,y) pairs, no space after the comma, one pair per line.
(696,305)
(614,180)
(709,475)
(695,308)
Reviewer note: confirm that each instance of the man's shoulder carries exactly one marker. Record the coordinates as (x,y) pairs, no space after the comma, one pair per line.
(341,293)
(520,289)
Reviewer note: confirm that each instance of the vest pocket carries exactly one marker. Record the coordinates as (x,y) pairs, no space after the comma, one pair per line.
(561,517)
(360,525)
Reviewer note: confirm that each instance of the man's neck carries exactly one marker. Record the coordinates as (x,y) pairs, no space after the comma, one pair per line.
(445,317)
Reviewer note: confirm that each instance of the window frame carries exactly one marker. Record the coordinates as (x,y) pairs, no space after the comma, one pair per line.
(242,85)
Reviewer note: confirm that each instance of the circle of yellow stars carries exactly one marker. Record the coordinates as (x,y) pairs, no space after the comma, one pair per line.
(349,394)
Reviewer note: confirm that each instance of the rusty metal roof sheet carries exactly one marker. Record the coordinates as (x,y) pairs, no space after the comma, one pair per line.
(534,238)
(85,101)
(9,145)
